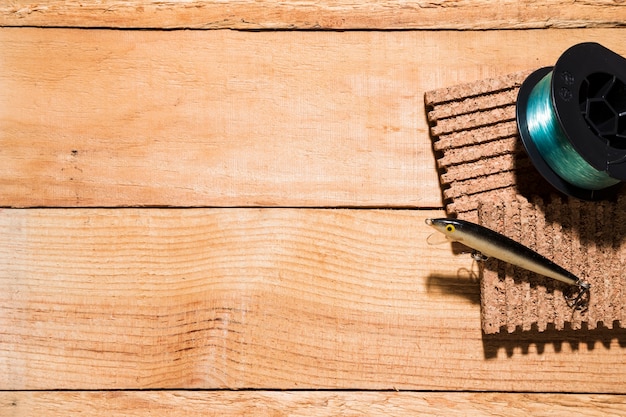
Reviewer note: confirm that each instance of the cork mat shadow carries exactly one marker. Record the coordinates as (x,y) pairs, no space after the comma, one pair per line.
(533,341)
(487,178)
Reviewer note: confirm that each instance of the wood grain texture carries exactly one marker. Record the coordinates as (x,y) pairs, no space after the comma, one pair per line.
(263,298)
(229,298)
(303,403)
(326,14)
(223,118)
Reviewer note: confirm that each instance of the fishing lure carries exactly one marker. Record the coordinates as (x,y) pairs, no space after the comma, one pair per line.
(488,243)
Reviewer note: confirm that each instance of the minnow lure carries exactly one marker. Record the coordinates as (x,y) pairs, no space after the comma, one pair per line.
(488,243)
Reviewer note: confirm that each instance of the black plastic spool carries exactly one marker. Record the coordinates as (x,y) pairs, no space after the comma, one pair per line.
(588,92)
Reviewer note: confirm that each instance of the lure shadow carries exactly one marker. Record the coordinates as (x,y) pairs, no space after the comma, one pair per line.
(520,341)
(464,285)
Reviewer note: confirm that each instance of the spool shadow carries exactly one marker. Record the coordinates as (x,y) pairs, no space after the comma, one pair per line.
(528,181)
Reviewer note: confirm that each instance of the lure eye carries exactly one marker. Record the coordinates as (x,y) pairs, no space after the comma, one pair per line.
(450,228)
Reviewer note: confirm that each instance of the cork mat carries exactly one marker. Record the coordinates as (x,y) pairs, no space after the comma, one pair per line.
(487,178)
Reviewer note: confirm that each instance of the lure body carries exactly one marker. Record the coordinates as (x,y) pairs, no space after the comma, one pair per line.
(492,244)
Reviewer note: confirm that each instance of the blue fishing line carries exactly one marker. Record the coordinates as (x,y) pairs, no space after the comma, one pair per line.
(553,145)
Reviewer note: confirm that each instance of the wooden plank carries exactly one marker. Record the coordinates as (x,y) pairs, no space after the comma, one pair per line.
(224,118)
(315,404)
(325,14)
(263,298)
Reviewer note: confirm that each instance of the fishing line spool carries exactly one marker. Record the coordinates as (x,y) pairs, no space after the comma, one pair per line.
(572,121)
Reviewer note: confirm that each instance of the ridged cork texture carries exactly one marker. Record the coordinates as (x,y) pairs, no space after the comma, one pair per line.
(487,178)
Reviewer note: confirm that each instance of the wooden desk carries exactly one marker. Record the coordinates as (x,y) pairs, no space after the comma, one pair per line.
(234,219)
